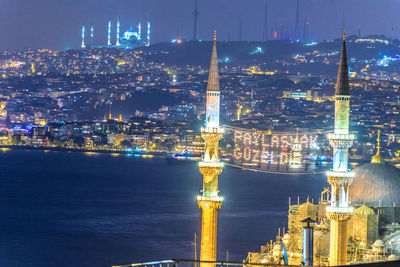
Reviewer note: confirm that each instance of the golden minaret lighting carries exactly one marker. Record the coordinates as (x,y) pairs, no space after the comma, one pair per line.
(339,178)
(378,158)
(210,167)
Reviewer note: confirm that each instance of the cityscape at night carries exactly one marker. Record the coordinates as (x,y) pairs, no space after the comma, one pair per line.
(162,133)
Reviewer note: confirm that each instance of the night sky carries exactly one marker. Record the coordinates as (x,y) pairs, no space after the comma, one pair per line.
(56,24)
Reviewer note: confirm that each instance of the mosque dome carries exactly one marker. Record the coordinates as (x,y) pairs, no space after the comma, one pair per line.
(375,184)
(286,238)
(307,206)
(378,246)
(277,247)
(364,210)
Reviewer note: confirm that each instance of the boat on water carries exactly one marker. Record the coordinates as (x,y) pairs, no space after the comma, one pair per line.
(184,157)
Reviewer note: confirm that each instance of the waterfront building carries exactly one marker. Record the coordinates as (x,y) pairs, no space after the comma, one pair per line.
(211,167)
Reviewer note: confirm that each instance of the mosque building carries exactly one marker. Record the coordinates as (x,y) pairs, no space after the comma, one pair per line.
(132,39)
(357,220)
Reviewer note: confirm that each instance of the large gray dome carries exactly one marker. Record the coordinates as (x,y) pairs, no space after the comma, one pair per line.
(375,184)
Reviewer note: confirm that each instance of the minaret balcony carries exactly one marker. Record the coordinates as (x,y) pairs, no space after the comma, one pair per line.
(216,130)
(210,198)
(340,174)
(211,164)
(340,178)
(341,137)
(340,210)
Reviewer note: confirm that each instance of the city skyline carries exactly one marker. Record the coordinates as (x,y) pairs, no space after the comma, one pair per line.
(59,24)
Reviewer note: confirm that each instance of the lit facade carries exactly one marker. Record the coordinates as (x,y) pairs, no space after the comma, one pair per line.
(210,167)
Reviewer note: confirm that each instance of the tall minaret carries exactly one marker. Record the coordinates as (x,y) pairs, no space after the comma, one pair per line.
(210,167)
(140,30)
(340,178)
(83,36)
(117,42)
(109,33)
(91,35)
(148,34)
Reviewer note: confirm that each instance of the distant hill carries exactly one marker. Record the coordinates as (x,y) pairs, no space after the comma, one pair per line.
(198,53)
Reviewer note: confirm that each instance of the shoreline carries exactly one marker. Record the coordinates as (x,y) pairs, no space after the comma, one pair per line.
(83,150)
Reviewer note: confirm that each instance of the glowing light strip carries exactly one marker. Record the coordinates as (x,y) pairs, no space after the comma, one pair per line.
(333,136)
(109,33)
(212,130)
(340,209)
(210,198)
(211,164)
(340,174)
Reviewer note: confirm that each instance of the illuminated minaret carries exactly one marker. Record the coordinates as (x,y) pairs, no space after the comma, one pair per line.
(109,33)
(339,178)
(91,36)
(140,30)
(148,33)
(117,42)
(83,36)
(210,167)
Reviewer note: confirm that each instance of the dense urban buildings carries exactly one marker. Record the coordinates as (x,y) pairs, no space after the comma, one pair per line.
(274,106)
(271,89)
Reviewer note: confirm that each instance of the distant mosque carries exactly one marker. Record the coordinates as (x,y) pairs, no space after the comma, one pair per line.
(357,220)
(129,40)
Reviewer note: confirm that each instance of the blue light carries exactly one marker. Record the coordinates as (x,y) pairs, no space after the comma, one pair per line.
(227,59)
(258,50)
(311,44)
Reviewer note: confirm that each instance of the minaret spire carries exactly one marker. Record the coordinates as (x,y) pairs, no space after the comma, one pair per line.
(342,83)
(340,178)
(213,94)
(213,77)
(210,167)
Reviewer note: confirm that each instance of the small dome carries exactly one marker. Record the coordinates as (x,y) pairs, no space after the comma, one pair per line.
(277,250)
(277,247)
(307,205)
(378,244)
(375,185)
(364,210)
(392,257)
(286,238)
(266,260)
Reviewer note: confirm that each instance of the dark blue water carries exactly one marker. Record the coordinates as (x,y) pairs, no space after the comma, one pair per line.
(74,209)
